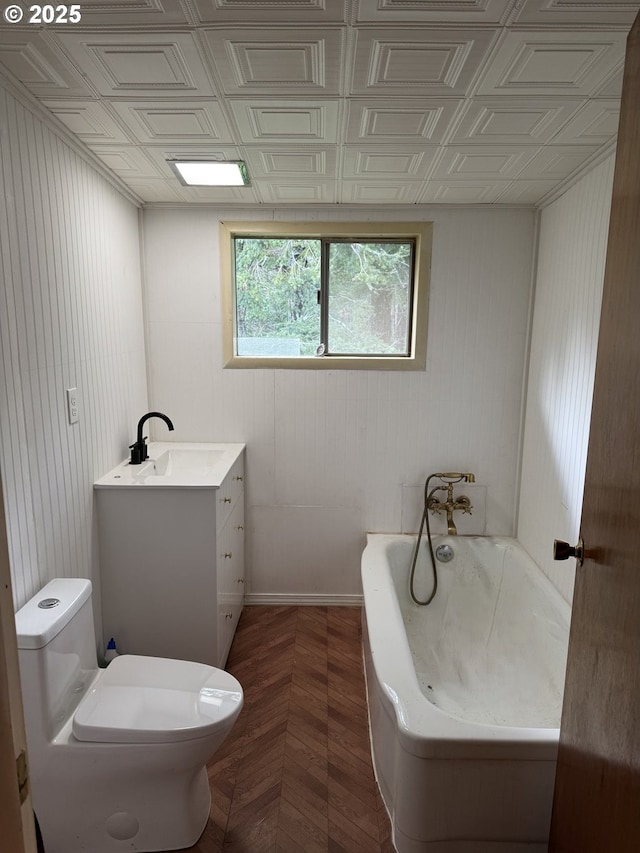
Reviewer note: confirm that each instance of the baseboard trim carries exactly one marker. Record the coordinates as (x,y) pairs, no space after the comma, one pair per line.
(296,600)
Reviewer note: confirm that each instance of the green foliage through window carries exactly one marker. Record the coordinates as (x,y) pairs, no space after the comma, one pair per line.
(294,295)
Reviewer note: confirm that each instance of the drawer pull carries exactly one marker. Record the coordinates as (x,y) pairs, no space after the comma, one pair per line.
(226,500)
(240,580)
(239,479)
(228,555)
(228,615)
(239,527)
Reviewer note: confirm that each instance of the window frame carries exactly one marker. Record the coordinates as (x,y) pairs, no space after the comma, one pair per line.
(418,232)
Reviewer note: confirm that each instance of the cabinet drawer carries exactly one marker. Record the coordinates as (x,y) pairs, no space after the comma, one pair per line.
(230,557)
(230,491)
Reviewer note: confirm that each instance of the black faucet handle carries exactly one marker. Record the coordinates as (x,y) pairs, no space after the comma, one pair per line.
(138,452)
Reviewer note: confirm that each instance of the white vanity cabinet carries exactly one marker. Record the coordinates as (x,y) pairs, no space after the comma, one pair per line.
(171,550)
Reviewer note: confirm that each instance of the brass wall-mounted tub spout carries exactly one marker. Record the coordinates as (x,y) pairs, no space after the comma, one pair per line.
(451,504)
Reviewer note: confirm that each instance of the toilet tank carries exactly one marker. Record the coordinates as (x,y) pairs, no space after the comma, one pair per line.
(57,654)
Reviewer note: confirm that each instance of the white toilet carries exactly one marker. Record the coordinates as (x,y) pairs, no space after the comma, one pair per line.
(116,756)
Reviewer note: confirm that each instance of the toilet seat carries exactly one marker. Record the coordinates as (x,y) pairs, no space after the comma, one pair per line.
(140,699)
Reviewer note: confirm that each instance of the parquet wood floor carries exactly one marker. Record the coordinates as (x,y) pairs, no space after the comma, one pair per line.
(295,774)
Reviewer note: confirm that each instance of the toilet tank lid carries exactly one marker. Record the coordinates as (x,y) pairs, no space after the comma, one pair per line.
(46,614)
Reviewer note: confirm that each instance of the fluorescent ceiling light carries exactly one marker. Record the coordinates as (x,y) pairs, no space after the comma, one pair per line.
(211,173)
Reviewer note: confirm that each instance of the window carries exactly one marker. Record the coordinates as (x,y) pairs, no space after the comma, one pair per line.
(325,295)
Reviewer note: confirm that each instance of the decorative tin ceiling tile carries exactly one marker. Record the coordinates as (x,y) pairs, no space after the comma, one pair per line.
(131,13)
(418,62)
(463,192)
(135,65)
(387,162)
(153,122)
(39,67)
(525,192)
(597,122)
(513,120)
(557,162)
(299,192)
(400,120)
(491,162)
(365,192)
(272,62)
(552,63)
(431,11)
(291,162)
(251,11)
(90,121)
(221,195)
(611,85)
(578,12)
(155,191)
(294,122)
(126,161)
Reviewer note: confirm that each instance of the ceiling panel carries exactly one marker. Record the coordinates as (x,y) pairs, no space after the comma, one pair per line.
(385,162)
(489,163)
(163,121)
(370,192)
(558,161)
(463,192)
(295,122)
(131,13)
(481,12)
(285,162)
(39,67)
(552,63)
(417,120)
(136,65)
(362,102)
(596,122)
(490,121)
(418,61)
(90,121)
(274,62)
(287,191)
(127,161)
(268,11)
(604,13)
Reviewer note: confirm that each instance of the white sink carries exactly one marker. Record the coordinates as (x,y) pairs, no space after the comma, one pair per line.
(186,461)
(175,465)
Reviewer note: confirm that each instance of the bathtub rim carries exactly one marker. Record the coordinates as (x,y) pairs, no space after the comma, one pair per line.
(423,729)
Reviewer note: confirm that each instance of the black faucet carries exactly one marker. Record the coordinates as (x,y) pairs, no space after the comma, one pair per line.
(139,450)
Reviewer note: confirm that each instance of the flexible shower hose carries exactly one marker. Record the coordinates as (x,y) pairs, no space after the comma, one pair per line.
(425,523)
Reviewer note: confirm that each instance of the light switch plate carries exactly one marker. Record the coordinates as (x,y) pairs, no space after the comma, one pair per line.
(73,405)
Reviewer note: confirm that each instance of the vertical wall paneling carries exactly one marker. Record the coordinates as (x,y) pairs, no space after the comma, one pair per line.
(329,452)
(571,258)
(70,316)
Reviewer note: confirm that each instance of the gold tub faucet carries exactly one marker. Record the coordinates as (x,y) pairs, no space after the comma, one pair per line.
(451,504)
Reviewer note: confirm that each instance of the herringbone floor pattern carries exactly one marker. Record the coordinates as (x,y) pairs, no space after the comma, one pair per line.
(295,774)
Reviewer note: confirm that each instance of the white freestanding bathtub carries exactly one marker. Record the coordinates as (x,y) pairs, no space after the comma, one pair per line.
(465,694)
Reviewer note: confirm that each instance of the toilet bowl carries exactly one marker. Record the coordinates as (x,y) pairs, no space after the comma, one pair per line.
(116,756)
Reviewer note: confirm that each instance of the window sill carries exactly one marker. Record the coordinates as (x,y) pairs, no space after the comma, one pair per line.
(332,362)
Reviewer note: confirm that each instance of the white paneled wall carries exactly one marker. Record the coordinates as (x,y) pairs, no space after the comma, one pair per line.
(329,451)
(70,316)
(571,258)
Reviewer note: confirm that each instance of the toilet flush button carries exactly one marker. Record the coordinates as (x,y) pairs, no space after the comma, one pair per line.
(122,825)
(48,603)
